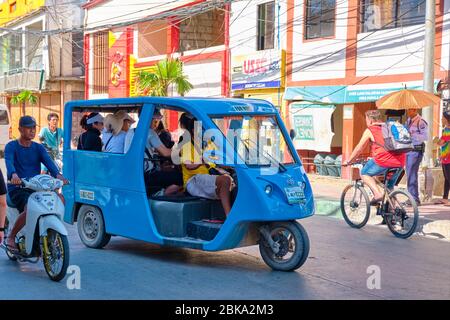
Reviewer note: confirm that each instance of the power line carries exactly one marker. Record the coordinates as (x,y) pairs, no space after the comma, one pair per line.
(180,12)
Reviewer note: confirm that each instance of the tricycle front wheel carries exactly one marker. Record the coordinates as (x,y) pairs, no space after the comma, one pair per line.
(292,246)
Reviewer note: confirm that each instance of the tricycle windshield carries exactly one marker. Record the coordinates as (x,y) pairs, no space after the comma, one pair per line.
(258,139)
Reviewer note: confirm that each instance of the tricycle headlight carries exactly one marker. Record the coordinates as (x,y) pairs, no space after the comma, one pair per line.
(268,190)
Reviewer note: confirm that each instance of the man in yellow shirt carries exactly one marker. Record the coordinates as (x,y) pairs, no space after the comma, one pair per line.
(196,177)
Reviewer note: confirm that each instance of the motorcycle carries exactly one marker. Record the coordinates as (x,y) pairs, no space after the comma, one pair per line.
(44,234)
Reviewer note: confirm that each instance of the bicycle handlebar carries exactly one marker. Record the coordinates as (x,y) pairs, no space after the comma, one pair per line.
(359,161)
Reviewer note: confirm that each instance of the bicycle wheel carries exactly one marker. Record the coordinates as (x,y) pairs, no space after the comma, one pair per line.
(355,206)
(402,220)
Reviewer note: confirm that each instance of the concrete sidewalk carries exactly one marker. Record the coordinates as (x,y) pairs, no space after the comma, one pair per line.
(434,218)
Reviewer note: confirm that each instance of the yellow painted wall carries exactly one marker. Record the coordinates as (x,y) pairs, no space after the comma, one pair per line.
(23,7)
(133,75)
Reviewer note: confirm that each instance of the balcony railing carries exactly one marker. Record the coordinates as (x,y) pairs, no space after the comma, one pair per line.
(22,79)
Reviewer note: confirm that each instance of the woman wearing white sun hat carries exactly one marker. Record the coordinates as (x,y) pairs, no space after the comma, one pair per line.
(116,127)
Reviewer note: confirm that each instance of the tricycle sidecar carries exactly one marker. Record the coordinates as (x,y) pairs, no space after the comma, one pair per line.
(109,195)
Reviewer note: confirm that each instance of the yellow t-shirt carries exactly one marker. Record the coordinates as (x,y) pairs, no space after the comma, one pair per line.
(195,158)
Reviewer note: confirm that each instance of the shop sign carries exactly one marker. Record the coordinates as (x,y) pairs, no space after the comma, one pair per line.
(312,124)
(304,127)
(263,69)
(349,94)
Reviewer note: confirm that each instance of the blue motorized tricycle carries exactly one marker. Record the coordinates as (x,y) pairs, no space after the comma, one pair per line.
(109,195)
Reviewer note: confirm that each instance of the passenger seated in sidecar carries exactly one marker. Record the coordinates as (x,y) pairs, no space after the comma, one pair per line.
(159,176)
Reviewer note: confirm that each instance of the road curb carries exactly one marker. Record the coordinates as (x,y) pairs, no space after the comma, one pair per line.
(439,229)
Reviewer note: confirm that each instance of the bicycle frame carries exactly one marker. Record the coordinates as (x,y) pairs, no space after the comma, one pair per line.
(386,198)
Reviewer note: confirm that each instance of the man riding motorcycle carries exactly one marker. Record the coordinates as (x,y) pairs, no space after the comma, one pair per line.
(23,159)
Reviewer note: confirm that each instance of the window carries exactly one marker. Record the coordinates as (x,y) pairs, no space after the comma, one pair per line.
(77,54)
(258,140)
(4,56)
(266,26)
(34,45)
(152,38)
(320,18)
(100,65)
(384,14)
(12,7)
(15,53)
(106,111)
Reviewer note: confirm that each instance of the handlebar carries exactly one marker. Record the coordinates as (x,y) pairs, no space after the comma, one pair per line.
(24,183)
(21,184)
(357,162)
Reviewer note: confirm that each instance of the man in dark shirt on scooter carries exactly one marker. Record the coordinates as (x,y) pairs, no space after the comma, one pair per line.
(23,159)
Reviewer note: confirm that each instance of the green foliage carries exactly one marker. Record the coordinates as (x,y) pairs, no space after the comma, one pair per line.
(25,96)
(166,73)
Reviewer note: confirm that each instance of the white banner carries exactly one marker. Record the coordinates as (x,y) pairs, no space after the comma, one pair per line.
(312,125)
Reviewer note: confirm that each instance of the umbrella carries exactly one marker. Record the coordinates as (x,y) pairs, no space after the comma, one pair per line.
(407,99)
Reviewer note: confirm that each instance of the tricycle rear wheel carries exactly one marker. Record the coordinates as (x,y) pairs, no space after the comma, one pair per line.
(91,227)
(293,244)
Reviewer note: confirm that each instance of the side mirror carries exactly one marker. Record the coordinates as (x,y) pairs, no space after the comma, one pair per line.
(292,134)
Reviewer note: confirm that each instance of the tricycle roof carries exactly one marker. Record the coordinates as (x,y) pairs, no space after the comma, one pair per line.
(202,105)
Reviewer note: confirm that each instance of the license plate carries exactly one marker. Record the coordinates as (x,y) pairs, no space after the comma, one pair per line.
(295,194)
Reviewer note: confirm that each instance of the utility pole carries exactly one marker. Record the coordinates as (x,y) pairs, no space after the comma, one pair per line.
(428,76)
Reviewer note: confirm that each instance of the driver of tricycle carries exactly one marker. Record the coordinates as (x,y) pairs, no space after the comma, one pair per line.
(23,159)
(197,177)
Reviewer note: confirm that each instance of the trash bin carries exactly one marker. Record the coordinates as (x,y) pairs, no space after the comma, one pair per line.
(329,164)
(338,163)
(318,162)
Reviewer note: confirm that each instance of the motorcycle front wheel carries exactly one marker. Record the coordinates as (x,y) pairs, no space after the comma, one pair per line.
(293,243)
(55,254)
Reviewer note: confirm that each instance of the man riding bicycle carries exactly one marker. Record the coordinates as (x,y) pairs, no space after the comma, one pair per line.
(382,160)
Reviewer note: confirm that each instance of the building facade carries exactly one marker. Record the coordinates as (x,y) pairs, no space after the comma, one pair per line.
(344,55)
(114,56)
(258,50)
(50,65)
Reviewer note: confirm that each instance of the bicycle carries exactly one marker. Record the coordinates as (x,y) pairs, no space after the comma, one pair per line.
(400,215)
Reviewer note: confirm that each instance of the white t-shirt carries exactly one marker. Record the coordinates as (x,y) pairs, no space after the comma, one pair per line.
(153,142)
(114,143)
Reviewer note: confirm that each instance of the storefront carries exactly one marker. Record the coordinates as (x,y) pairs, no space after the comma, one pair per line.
(330,120)
(259,75)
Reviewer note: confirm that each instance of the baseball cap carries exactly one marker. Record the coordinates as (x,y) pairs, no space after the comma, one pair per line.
(94,117)
(27,121)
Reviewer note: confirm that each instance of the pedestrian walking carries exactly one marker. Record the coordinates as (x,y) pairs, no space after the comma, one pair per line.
(418,129)
(444,143)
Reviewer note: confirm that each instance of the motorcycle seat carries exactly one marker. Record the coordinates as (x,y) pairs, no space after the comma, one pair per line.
(9,203)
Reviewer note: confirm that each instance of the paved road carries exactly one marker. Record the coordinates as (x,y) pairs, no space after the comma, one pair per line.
(336,269)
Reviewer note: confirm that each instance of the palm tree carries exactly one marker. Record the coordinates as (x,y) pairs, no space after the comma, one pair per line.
(166,73)
(23,97)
